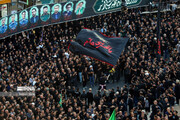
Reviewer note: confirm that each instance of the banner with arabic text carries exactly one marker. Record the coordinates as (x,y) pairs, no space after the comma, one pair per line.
(98,46)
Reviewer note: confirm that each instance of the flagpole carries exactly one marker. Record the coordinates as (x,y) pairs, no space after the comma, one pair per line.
(159,26)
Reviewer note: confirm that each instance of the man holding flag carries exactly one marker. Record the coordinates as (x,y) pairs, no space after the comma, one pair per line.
(113,115)
(60,101)
(97,46)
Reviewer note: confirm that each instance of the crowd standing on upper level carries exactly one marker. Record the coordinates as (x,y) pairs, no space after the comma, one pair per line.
(46,63)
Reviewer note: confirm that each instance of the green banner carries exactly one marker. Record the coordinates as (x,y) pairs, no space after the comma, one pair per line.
(109,5)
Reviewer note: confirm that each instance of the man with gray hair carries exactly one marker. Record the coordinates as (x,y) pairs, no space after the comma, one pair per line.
(177,89)
(178,48)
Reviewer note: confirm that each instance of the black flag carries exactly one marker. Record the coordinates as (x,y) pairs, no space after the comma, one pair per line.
(98,46)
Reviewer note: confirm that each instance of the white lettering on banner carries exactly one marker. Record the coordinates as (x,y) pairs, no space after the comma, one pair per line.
(25,88)
(131,1)
(6,94)
(110,4)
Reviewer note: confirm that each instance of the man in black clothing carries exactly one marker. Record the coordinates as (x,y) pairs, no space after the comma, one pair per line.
(90,96)
(102,81)
(130,102)
(91,75)
(155,108)
(96,99)
(84,77)
(177,90)
(80,69)
(127,72)
(83,95)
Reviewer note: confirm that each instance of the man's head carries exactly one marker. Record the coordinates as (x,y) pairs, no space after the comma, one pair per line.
(81,4)
(12,18)
(56,9)
(91,67)
(23,14)
(155,102)
(45,9)
(68,6)
(3,21)
(90,90)
(34,12)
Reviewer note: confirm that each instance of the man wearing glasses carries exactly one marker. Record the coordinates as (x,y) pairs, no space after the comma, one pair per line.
(67,14)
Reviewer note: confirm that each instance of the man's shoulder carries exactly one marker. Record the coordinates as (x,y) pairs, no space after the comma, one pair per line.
(5,26)
(15,22)
(21,20)
(10,23)
(65,12)
(34,17)
(47,14)
(53,14)
(44,15)
(58,13)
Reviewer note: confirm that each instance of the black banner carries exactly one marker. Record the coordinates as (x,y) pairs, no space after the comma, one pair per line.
(43,15)
(98,46)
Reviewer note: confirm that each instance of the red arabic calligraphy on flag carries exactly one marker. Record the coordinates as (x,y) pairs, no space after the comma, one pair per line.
(98,44)
(159,47)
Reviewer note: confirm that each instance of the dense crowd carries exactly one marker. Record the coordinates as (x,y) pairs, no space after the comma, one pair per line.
(41,58)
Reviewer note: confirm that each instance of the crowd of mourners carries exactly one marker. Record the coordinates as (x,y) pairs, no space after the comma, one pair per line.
(41,58)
